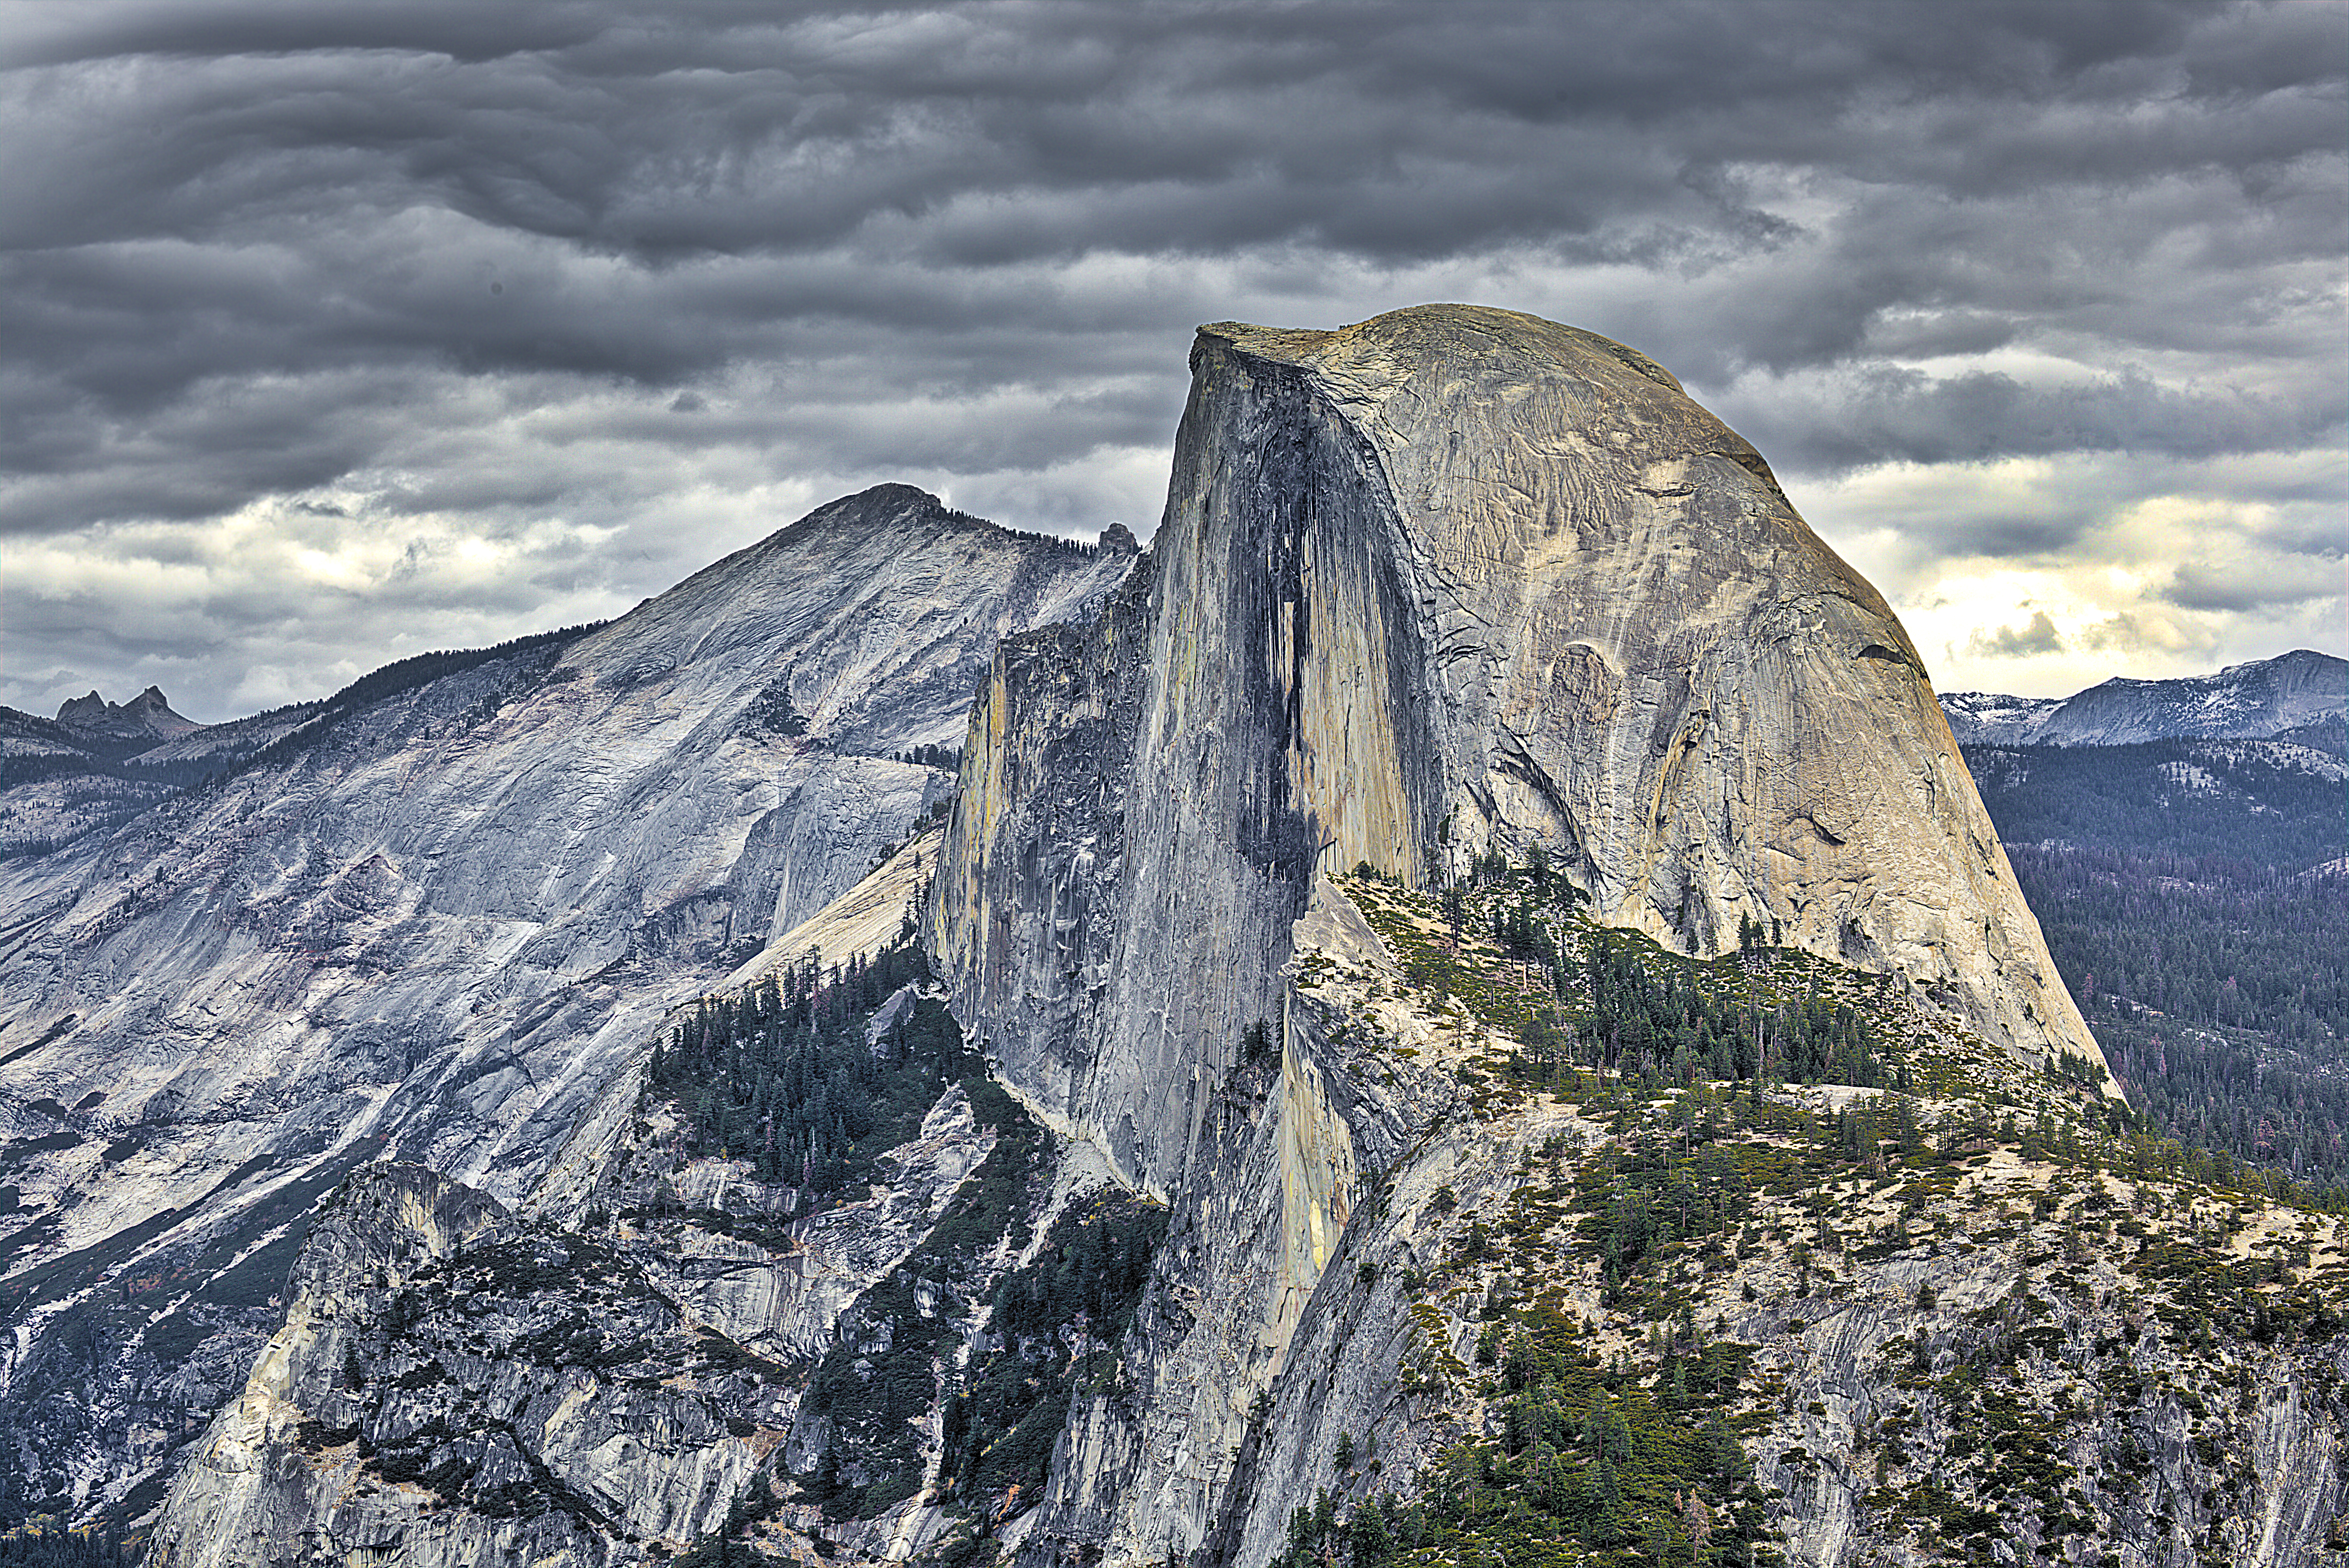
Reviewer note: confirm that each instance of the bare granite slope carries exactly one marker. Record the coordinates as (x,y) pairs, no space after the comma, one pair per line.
(433,927)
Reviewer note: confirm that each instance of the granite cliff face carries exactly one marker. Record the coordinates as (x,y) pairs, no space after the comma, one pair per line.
(1451,583)
(1451,588)
(1487,1020)
(430,923)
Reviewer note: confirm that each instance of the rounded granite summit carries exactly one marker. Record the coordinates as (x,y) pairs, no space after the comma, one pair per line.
(1401,336)
(1641,656)
(1458,581)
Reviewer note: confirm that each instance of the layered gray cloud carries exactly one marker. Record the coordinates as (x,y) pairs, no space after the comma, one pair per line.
(336,330)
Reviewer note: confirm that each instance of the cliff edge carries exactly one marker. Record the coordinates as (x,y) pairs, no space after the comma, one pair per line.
(1452,582)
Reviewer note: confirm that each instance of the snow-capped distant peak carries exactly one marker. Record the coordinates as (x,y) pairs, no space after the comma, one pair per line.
(2242,702)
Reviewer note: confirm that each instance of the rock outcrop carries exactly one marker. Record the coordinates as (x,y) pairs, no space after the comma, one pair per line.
(147,717)
(456,1383)
(1449,583)
(432,922)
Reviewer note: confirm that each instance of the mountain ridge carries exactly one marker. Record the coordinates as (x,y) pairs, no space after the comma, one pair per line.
(2258,699)
(432,923)
(1465,1009)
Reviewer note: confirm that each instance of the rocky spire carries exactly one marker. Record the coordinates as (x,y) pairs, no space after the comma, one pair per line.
(148,714)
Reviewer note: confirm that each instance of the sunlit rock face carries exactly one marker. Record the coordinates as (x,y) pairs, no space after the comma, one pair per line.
(1452,581)
(434,925)
(1415,603)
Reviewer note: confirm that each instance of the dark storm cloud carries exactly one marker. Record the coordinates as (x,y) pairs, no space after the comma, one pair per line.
(428,259)
(1000,135)
(1904,416)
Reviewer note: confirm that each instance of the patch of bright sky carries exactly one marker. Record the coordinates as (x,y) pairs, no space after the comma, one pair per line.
(2108,583)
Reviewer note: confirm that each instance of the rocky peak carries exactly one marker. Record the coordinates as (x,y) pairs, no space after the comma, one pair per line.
(148,714)
(1452,583)
(2251,701)
(858,581)
(81,712)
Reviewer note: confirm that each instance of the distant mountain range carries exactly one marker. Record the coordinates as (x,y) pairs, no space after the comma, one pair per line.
(2297,695)
(99,763)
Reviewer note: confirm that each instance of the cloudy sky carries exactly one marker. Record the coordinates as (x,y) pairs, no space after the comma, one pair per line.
(330,331)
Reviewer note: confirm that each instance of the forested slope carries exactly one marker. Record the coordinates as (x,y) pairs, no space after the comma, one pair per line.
(2193,897)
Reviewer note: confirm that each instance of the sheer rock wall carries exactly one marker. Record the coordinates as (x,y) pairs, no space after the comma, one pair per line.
(1455,580)
(1452,581)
